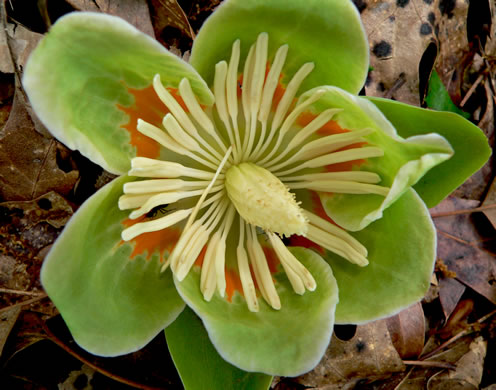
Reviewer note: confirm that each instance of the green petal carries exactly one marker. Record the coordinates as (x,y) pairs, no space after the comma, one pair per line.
(402,251)
(200,365)
(468,141)
(404,162)
(111,294)
(90,79)
(326,32)
(286,342)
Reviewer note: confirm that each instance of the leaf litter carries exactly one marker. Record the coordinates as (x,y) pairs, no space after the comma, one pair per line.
(446,341)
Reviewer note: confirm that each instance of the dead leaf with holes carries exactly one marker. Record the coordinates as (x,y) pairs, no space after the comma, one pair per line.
(399,32)
(369,354)
(28,160)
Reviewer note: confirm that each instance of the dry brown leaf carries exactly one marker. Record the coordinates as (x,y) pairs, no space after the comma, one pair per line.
(171,24)
(28,160)
(468,372)
(407,330)
(369,355)
(453,56)
(399,31)
(7,320)
(474,267)
(450,292)
(135,12)
(26,229)
(491,199)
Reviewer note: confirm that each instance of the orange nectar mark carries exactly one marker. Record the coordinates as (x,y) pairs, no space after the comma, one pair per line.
(278,93)
(201,257)
(347,165)
(148,107)
(233,283)
(272,259)
(330,128)
(161,240)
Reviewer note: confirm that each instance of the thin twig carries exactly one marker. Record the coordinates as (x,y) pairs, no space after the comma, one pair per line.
(464,211)
(471,90)
(24,303)
(458,336)
(20,292)
(102,371)
(429,364)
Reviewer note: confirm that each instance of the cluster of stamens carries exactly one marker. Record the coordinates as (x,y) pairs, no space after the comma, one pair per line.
(254,136)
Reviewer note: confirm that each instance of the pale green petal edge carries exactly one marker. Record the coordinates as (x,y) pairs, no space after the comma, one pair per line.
(405,161)
(328,33)
(468,141)
(111,304)
(80,71)
(401,251)
(287,342)
(199,364)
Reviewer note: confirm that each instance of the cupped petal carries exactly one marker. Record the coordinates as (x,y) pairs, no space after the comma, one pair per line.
(467,140)
(403,163)
(200,365)
(90,79)
(289,341)
(401,252)
(328,33)
(110,293)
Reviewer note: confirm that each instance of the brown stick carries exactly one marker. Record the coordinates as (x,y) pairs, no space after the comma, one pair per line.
(464,211)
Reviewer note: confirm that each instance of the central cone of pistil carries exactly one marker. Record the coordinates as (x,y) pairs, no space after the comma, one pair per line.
(263,200)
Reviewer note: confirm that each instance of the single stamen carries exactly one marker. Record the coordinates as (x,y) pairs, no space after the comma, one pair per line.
(232,92)
(221,251)
(340,186)
(154,225)
(336,157)
(161,185)
(221,103)
(148,167)
(244,271)
(256,89)
(261,270)
(358,176)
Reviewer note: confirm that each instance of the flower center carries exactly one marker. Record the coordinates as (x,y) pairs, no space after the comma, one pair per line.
(263,200)
(228,169)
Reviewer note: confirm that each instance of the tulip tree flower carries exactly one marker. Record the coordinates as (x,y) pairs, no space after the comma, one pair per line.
(256,187)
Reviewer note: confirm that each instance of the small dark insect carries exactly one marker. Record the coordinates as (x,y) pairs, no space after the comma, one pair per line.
(162,210)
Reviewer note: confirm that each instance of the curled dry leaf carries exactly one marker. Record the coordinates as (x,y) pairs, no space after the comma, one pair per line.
(407,330)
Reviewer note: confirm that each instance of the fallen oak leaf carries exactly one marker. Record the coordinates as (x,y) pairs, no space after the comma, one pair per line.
(28,160)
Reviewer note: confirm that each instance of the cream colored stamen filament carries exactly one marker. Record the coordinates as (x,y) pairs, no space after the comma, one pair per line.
(336,157)
(299,277)
(183,119)
(261,269)
(249,290)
